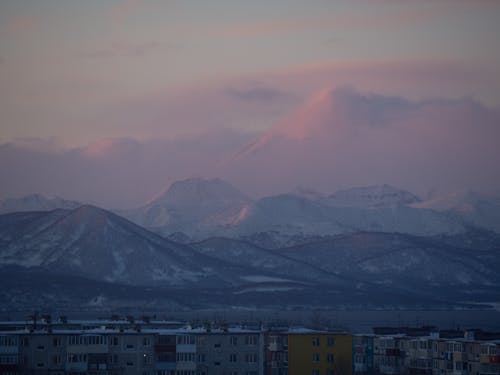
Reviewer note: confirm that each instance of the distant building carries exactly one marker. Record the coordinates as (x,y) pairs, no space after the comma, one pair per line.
(319,353)
(362,354)
(127,348)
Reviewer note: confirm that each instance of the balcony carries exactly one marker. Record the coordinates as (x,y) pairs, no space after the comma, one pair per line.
(76,366)
(165,348)
(7,368)
(275,347)
(392,352)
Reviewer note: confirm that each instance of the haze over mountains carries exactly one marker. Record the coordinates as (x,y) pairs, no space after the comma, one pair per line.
(372,246)
(204,243)
(202,208)
(335,139)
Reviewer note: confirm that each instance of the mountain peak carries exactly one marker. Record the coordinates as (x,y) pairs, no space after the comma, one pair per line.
(307,193)
(373,196)
(329,115)
(194,191)
(35,202)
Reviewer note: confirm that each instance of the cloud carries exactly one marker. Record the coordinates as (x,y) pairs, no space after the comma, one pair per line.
(336,139)
(121,12)
(255,102)
(127,50)
(343,138)
(111,172)
(256,94)
(22,24)
(398,16)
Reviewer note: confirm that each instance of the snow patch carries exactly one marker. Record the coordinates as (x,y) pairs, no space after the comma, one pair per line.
(263,279)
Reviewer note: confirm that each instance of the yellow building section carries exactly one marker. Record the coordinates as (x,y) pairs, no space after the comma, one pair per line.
(319,354)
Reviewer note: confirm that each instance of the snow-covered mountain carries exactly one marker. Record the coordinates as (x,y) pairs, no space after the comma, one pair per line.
(195,206)
(201,208)
(196,209)
(287,216)
(372,197)
(35,202)
(475,209)
(380,258)
(98,251)
(97,244)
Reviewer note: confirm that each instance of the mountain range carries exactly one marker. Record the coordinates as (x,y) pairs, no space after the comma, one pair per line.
(203,243)
(195,209)
(202,208)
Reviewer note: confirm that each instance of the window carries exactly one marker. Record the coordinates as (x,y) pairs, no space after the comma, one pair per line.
(40,347)
(76,340)
(130,363)
(329,358)
(9,341)
(56,359)
(185,357)
(96,340)
(146,341)
(202,357)
(251,357)
(166,357)
(56,341)
(315,341)
(251,340)
(233,357)
(233,340)
(130,346)
(216,345)
(330,341)
(8,359)
(114,341)
(77,357)
(315,372)
(186,340)
(146,359)
(315,357)
(40,364)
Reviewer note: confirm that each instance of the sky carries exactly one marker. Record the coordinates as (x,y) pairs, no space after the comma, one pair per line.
(110,101)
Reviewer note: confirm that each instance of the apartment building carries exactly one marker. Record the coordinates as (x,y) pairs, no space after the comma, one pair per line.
(230,351)
(362,354)
(319,352)
(276,351)
(438,353)
(222,350)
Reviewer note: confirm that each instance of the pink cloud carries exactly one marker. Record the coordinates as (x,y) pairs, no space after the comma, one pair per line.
(335,139)
(21,24)
(121,12)
(111,172)
(117,49)
(338,139)
(254,102)
(398,16)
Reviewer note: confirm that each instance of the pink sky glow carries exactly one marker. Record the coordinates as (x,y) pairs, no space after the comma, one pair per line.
(140,93)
